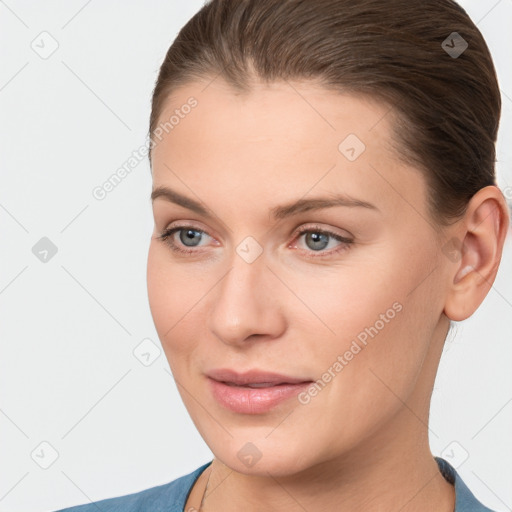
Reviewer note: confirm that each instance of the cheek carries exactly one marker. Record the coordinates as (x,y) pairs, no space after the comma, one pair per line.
(174,294)
(380,323)
(377,354)
(166,294)
(158,282)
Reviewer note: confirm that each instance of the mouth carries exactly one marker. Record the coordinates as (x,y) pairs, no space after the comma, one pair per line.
(253,392)
(254,378)
(256,384)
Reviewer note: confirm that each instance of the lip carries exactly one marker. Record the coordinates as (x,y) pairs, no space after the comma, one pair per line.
(253,377)
(231,390)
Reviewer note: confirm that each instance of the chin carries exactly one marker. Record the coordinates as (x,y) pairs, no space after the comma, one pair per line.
(262,457)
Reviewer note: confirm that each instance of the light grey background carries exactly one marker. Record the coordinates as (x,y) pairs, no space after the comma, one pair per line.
(68,327)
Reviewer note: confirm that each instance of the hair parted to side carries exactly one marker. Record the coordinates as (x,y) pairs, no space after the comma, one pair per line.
(445,110)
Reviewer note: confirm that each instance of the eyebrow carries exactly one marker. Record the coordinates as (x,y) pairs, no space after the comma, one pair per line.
(278,212)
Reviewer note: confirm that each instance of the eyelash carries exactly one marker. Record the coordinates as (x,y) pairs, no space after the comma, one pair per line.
(166,237)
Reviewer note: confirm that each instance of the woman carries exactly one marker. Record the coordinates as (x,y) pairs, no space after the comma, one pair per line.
(325,205)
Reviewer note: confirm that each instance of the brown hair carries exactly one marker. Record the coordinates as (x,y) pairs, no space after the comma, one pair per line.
(446,107)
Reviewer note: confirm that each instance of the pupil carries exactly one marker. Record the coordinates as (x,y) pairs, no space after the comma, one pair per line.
(190,233)
(316,238)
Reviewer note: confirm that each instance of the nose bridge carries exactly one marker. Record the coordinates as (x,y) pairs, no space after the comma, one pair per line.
(242,305)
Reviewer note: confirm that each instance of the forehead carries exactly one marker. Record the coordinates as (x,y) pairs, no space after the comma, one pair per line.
(302,112)
(280,140)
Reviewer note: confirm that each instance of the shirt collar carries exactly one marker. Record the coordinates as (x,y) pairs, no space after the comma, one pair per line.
(465,500)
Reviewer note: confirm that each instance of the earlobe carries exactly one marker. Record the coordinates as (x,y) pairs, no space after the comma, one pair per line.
(473,270)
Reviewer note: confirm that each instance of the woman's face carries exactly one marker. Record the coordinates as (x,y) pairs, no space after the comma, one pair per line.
(359,315)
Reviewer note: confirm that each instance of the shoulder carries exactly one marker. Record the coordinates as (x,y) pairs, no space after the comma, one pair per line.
(170,497)
(465,500)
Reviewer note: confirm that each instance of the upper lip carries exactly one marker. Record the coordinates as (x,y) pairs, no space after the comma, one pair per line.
(252,377)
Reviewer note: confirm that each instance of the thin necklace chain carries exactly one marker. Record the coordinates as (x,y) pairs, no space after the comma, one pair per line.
(205,490)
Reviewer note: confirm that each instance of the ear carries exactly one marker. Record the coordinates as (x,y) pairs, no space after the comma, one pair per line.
(475,252)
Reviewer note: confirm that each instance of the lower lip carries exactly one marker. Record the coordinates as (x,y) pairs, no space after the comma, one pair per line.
(247,400)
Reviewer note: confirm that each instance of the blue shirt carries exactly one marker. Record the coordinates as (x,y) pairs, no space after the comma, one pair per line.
(171,497)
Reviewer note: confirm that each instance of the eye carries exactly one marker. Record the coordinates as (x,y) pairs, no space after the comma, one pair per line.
(189,236)
(316,240)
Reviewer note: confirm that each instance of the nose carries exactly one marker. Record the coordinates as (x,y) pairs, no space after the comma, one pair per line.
(245,305)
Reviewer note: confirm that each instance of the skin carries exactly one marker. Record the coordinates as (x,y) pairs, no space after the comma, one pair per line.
(362,442)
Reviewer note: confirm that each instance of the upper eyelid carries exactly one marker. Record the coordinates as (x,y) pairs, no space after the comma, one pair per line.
(177,227)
